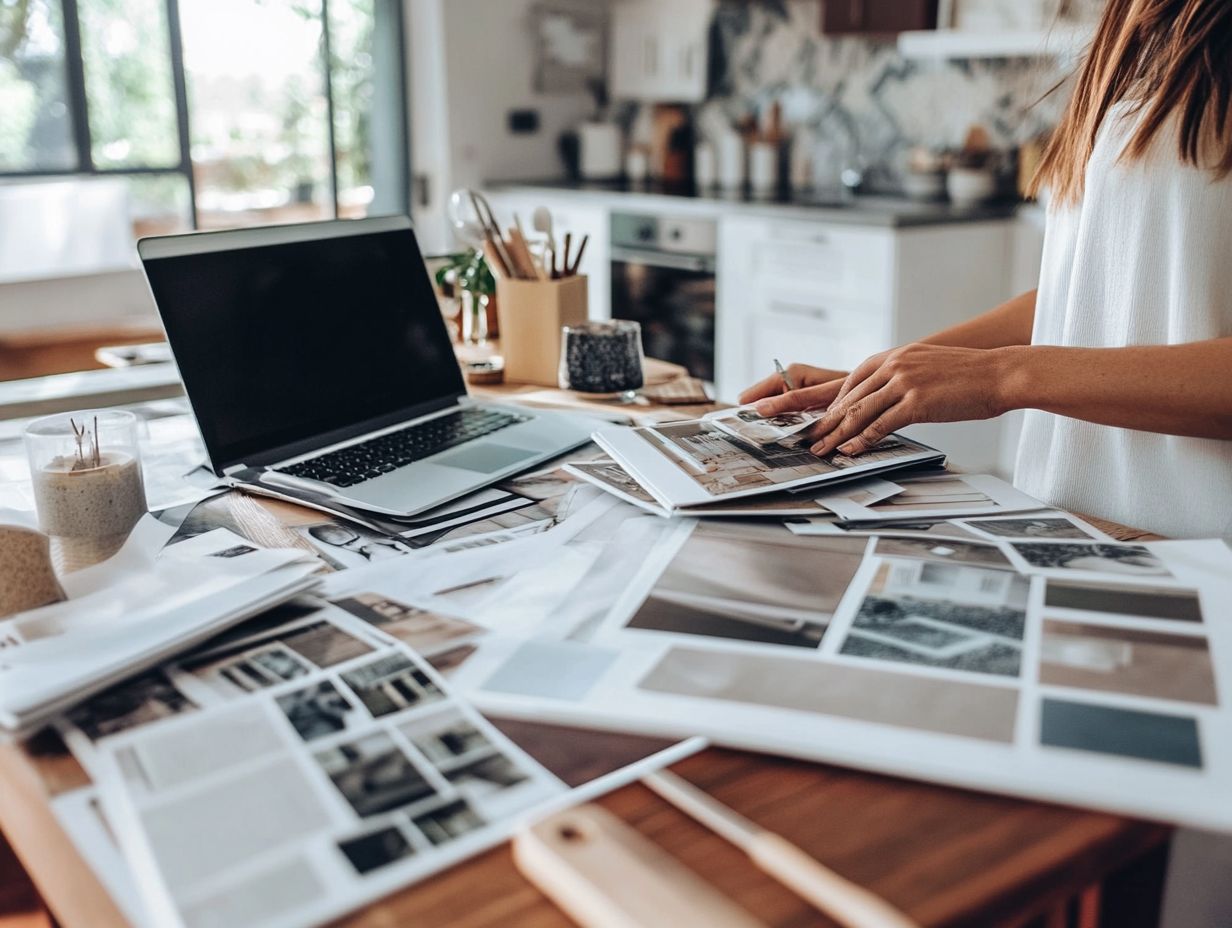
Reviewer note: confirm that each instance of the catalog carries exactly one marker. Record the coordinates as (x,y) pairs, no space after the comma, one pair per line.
(311,762)
(693,463)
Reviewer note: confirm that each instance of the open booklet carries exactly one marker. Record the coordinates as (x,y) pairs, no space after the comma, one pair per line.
(700,461)
(135,609)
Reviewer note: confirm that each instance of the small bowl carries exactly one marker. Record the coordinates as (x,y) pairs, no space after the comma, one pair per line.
(924,186)
(970,187)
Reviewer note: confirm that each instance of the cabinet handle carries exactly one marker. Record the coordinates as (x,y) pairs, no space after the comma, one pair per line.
(688,61)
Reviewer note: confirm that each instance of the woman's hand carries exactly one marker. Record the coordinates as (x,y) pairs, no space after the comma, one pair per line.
(816,388)
(915,383)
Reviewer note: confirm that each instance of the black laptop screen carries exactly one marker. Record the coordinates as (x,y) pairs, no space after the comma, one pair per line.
(285,343)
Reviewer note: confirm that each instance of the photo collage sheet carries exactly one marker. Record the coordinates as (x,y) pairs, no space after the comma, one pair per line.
(305,763)
(950,631)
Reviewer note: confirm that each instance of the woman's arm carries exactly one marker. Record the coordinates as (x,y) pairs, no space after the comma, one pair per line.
(1005,325)
(1008,324)
(1171,389)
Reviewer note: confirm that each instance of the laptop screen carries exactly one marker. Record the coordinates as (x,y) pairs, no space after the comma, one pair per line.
(285,342)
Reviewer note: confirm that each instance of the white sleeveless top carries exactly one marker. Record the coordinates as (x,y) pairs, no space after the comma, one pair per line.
(1144,259)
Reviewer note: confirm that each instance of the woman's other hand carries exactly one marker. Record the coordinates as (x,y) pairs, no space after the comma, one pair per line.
(915,383)
(816,388)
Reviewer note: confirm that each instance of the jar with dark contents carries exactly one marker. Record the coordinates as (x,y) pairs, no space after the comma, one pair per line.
(602,358)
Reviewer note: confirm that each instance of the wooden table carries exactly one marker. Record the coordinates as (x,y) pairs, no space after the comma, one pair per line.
(947,857)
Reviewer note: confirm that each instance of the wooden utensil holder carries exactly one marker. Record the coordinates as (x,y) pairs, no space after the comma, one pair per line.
(531,315)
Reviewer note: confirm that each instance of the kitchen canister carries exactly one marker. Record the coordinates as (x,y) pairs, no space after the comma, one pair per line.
(602,358)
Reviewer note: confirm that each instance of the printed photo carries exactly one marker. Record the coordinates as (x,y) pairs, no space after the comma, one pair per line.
(420,629)
(373,775)
(131,704)
(950,552)
(445,741)
(1050,528)
(451,821)
(391,684)
(1145,602)
(746,424)
(1126,560)
(609,474)
(773,588)
(484,777)
(319,710)
(376,849)
(344,544)
(234,551)
(447,661)
(1120,660)
(942,615)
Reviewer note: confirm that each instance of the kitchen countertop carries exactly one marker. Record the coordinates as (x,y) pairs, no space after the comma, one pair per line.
(881,211)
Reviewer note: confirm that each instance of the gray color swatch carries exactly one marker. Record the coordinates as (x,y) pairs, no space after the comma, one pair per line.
(1168,739)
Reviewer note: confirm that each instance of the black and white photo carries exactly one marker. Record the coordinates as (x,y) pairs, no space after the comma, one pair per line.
(1090,558)
(319,710)
(376,849)
(451,821)
(391,684)
(374,775)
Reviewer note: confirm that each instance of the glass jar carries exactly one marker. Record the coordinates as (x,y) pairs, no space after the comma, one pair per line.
(85,468)
(602,358)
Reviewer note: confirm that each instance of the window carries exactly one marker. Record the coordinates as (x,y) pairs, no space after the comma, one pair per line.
(217,113)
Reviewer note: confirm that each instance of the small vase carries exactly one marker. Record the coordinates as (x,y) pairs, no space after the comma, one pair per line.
(474,318)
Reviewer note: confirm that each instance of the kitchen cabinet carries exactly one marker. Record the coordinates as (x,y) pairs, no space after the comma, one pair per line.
(659,49)
(831,295)
(845,17)
(568,215)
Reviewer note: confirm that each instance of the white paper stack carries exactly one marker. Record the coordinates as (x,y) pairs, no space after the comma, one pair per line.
(133,610)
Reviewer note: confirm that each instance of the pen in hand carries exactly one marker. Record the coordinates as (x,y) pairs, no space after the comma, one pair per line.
(778,366)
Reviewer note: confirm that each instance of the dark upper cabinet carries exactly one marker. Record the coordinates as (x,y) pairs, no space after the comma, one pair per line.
(848,17)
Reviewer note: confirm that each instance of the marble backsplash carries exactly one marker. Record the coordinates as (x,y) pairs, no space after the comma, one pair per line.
(772,50)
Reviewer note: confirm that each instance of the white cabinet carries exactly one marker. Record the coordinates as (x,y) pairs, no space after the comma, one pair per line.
(658,50)
(568,215)
(831,295)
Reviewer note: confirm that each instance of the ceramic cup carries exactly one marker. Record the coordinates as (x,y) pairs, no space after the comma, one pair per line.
(27,578)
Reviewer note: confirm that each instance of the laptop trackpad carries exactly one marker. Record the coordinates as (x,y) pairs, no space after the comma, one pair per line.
(484,457)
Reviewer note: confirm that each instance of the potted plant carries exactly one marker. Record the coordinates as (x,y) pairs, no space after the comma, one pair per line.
(469,278)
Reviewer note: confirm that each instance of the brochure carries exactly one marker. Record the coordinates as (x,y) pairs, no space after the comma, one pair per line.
(692,463)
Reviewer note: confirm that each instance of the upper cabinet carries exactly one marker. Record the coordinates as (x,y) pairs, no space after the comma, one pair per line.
(846,17)
(659,48)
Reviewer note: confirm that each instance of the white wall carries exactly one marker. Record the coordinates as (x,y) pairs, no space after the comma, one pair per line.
(472,62)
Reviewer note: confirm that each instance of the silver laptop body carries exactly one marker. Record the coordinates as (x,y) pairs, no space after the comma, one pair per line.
(306,347)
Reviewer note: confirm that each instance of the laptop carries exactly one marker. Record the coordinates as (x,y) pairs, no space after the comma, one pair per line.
(317,355)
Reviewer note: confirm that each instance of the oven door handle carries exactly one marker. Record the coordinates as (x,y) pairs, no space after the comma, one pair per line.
(701,264)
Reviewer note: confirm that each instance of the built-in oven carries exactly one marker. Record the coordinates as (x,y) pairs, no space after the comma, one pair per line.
(663,277)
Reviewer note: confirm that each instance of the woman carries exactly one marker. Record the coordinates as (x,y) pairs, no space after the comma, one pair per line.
(1123,355)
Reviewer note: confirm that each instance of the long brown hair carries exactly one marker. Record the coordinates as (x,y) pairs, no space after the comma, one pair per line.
(1165,56)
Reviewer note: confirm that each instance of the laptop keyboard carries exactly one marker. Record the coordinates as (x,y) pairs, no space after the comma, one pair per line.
(366,460)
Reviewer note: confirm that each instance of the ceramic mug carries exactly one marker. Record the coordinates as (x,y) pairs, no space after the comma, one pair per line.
(27,578)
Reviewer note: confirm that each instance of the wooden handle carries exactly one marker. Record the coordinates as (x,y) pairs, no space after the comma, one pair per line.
(844,901)
(604,874)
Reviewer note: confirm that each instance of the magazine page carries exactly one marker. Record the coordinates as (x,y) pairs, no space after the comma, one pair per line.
(290,780)
(691,463)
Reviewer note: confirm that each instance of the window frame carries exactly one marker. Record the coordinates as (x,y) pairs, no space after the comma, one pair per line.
(79,113)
